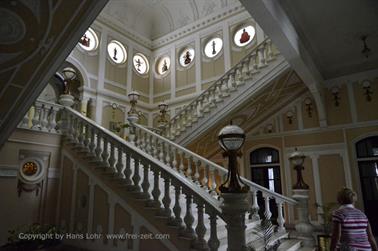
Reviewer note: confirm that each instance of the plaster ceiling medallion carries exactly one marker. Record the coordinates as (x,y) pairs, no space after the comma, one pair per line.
(213,47)
(244,36)
(186,57)
(163,65)
(140,63)
(12,27)
(117,52)
(89,41)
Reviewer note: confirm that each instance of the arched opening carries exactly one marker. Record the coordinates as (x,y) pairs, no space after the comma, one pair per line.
(265,171)
(367,159)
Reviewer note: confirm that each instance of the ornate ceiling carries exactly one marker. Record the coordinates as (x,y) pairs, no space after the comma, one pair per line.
(155,18)
(35,38)
(279,93)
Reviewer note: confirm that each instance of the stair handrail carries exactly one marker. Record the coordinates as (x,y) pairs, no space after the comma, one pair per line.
(212,86)
(205,197)
(218,167)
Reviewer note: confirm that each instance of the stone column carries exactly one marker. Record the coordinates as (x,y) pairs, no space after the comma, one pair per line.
(234,208)
(304,229)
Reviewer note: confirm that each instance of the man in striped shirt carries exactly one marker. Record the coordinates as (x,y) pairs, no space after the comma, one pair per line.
(351,228)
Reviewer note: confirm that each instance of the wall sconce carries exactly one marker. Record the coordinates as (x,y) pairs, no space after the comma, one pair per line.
(162,122)
(367,87)
(336,95)
(366,51)
(132,114)
(308,104)
(290,116)
(269,128)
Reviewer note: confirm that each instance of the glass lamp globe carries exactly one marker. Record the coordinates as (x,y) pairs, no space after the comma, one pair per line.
(231,138)
(133,96)
(297,158)
(69,73)
(163,106)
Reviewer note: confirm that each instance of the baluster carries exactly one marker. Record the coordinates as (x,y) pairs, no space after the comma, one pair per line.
(213,184)
(194,113)
(238,76)
(120,166)
(267,212)
(98,150)
(225,86)
(269,51)
(127,181)
(136,177)
(52,121)
(25,120)
(76,128)
(181,167)
(196,174)
(161,151)
(146,138)
(80,137)
(156,149)
(218,93)
(156,190)
(87,137)
(37,114)
(174,162)
(146,182)
(231,81)
(73,129)
(199,108)
(245,69)
(189,219)
(211,98)
(168,154)
(213,241)
(205,179)
(92,144)
(261,57)
(141,140)
(280,218)
(177,221)
(189,170)
(255,206)
(105,153)
(200,228)
(188,114)
(166,212)
(44,113)
(112,160)
(252,64)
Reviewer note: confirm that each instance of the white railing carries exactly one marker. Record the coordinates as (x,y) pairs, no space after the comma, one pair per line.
(42,116)
(218,92)
(133,169)
(203,173)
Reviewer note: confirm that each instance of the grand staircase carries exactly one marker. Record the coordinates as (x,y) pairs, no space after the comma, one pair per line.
(166,185)
(237,86)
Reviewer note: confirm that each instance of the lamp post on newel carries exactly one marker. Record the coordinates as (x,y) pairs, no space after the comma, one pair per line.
(69,75)
(234,192)
(132,114)
(303,227)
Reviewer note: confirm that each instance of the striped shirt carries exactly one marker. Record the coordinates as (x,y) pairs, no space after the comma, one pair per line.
(354,225)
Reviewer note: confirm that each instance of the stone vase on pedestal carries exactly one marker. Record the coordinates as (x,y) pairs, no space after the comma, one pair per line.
(66,100)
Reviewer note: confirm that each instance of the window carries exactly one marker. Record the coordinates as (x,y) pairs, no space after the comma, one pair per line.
(140,63)
(117,52)
(186,57)
(213,47)
(265,171)
(89,41)
(163,65)
(244,35)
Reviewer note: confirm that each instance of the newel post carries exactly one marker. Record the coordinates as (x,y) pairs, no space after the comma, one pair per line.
(304,228)
(236,197)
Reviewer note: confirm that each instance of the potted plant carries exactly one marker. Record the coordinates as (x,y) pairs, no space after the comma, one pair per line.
(324,239)
(32,238)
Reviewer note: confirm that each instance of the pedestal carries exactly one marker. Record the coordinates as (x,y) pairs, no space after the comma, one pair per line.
(66,100)
(304,229)
(234,208)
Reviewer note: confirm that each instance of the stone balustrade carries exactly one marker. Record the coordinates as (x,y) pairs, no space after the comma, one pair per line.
(260,57)
(42,116)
